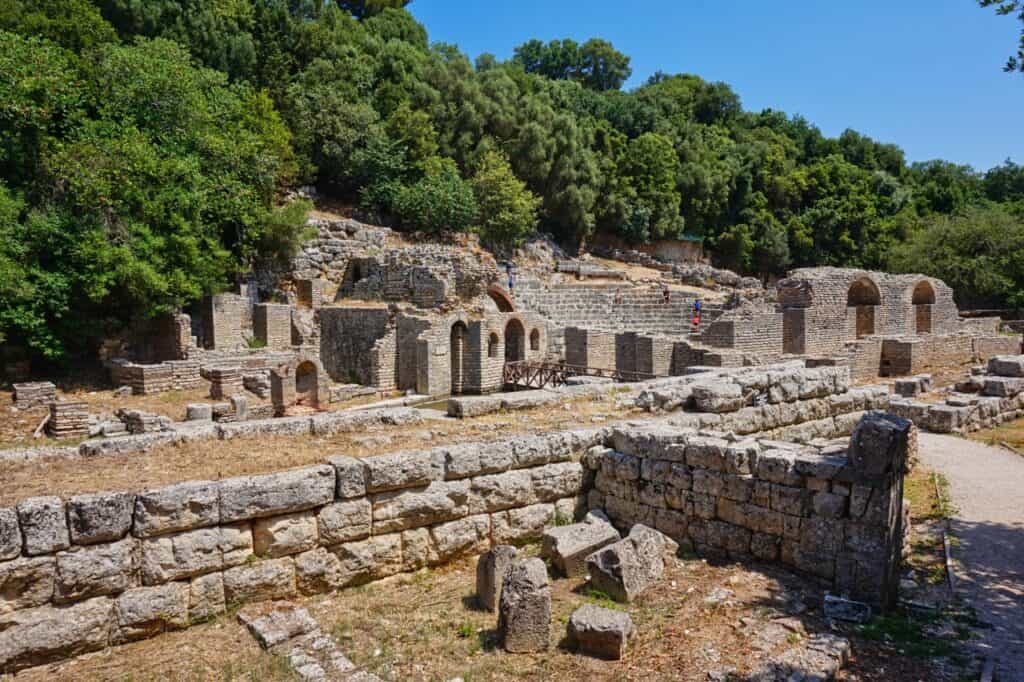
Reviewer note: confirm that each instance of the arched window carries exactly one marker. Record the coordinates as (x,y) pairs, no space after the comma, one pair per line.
(515,341)
(492,345)
(924,299)
(535,339)
(864,297)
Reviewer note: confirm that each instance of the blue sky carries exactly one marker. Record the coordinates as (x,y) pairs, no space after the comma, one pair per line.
(924,74)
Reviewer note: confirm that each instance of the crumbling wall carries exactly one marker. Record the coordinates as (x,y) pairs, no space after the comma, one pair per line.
(834,512)
(109,568)
(272,324)
(349,338)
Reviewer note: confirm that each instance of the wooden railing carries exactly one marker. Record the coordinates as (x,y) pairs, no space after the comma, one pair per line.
(527,374)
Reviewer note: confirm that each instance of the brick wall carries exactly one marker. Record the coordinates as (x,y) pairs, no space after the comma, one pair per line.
(348,341)
(272,324)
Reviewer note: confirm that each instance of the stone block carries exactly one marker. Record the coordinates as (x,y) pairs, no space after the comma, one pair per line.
(463,537)
(178,507)
(147,611)
(345,521)
(1007,366)
(206,598)
(418,549)
(100,517)
(280,536)
(524,613)
(555,481)
(474,459)
(351,477)
(490,573)
(626,568)
(251,497)
(198,412)
(277,623)
(837,608)
(717,397)
(398,470)
(372,559)
(707,453)
(31,637)
(522,523)
(317,571)
(599,632)
(96,570)
(260,581)
(192,553)
(829,505)
(43,524)
(879,444)
(495,492)
(10,535)
(567,547)
(908,388)
(26,582)
(414,507)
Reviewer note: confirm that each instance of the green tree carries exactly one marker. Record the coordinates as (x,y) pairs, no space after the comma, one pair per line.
(441,201)
(368,8)
(507,210)
(73,24)
(1007,8)
(596,64)
(652,166)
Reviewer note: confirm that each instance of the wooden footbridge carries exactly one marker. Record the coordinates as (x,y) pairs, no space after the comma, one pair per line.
(526,374)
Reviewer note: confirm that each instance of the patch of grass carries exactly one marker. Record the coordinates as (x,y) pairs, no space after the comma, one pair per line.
(562,520)
(906,630)
(599,598)
(255,343)
(465,631)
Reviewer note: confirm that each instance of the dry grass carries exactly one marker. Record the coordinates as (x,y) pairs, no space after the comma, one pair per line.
(214,459)
(1011,433)
(426,626)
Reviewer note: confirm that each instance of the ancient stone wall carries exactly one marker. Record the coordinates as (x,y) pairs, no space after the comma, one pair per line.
(348,344)
(834,512)
(83,573)
(750,331)
(226,319)
(272,324)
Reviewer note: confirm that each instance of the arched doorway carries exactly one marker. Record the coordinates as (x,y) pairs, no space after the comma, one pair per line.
(306,385)
(459,335)
(863,296)
(924,299)
(515,341)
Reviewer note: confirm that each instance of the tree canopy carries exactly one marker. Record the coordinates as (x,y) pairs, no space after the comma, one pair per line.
(145,148)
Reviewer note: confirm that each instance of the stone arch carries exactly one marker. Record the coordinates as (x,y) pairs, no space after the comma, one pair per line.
(535,339)
(923,300)
(306,383)
(301,382)
(515,341)
(493,342)
(863,296)
(501,299)
(459,336)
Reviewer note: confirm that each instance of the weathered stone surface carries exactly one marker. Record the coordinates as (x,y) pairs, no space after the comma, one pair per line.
(283,535)
(26,582)
(494,492)
(567,547)
(100,517)
(35,636)
(147,611)
(1007,365)
(351,477)
(599,632)
(626,568)
(259,581)
(522,523)
(418,549)
(524,613)
(96,570)
(43,525)
(184,555)
(317,571)
(182,506)
(490,573)
(253,497)
(844,609)
(398,470)
(717,397)
(198,412)
(475,459)
(414,507)
(10,535)
(555,481)
(377,557)
(206,597)
(277,623)
(345,521)
(470,535)
(879,443)
(1003,387)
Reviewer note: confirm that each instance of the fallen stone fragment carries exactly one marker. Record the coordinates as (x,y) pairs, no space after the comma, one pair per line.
(567,547)
(524,617)
(599,632)
(490,573)
(626,568)
(838,608)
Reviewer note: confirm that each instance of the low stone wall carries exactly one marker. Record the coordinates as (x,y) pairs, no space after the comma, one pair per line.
(80,574)
(833,512)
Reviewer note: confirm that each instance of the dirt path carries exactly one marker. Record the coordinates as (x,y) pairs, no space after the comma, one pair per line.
(987,487)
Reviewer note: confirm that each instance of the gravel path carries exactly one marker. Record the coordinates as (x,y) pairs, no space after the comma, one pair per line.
(987,487)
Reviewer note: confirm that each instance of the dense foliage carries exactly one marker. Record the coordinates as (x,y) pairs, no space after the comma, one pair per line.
(145,145)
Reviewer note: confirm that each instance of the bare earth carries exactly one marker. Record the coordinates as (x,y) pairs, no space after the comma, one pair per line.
(987,486)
